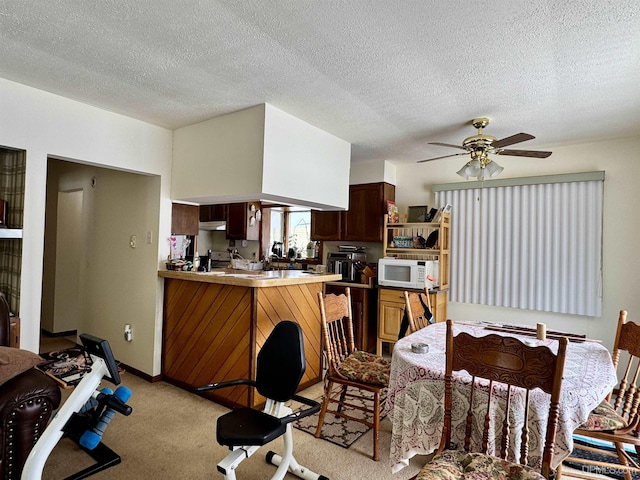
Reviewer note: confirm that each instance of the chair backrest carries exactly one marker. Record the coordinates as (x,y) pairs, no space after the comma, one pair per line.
(418,310)
(337,327)
(281,362)
(627,340)
(509,361)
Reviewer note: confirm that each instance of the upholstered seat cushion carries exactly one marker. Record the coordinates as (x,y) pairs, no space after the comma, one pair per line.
(458,464)
(366,367)
(604,417)
(14,361)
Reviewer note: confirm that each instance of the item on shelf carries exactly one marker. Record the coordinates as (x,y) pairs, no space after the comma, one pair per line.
(445,209)
(431,215)
(392,211)
(432,240)
(351,248)
(403,242)
(418,214)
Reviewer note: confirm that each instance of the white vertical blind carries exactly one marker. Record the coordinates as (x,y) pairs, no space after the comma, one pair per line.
(531,246)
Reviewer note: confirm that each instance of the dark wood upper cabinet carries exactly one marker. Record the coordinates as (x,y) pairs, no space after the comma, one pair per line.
(242,223)
(363,222)
(326,225)
(184,219)
(213,213)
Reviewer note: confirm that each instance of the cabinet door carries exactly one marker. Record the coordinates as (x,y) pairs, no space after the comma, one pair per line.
(438,300)
(184,219)
(326,225)
(364,313)
(237,221)
(390,320)
(390,313)
(213,213)
(364,221)
(242,223)
(357,312)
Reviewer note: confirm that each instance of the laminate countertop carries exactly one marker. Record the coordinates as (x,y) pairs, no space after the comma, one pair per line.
(258,278)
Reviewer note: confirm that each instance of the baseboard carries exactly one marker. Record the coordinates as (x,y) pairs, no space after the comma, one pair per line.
(138,373)
(68,333)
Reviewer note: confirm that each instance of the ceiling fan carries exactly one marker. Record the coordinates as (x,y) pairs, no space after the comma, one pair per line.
(480,146)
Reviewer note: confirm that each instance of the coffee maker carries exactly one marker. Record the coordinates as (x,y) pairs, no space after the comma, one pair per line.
(346,263)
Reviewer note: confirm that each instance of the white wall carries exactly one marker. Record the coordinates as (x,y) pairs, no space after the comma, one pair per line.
(621,162)
(45,125)
(48,125)
(260,153)
(372,172)
(70,257)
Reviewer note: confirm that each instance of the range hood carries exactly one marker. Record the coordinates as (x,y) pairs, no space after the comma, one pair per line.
(260,154)
(219,225)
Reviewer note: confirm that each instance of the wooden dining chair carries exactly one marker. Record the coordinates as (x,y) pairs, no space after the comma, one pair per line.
(616,420)
(418,310)
(494,359)
(352,375)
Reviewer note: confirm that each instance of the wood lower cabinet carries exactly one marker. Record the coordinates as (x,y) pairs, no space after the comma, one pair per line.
(439,300)
(363,311)
(391,305)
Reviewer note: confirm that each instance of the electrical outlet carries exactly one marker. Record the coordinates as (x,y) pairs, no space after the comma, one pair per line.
(132,241)
(149,237)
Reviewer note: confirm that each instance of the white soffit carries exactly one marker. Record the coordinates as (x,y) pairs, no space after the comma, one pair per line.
(260,153)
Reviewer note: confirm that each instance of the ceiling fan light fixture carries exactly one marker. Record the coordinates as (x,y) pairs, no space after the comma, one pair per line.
(463,171)
(492,169)
(471,169)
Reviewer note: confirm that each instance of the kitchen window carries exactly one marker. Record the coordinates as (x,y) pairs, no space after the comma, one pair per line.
(291,229)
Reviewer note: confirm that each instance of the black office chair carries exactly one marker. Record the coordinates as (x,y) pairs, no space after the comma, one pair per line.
(280,366)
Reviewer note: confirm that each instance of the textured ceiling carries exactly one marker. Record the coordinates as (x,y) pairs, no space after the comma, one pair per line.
(386,76)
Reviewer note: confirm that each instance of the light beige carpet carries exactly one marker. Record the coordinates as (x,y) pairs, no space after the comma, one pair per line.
(171,435)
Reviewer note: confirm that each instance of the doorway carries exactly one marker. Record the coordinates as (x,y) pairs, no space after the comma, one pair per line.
(94,278)
(62,319)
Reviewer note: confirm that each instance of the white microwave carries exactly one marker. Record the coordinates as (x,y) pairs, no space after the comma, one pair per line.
(414,274)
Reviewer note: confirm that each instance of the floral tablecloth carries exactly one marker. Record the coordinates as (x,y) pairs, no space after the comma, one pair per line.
(415,402)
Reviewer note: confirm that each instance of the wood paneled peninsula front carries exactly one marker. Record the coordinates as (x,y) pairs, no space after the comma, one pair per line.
(216,322)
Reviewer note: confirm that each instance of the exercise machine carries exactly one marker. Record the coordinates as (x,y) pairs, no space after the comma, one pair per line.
(85,415)
(279,369)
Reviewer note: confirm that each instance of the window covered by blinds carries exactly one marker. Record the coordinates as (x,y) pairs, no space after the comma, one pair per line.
(535,245)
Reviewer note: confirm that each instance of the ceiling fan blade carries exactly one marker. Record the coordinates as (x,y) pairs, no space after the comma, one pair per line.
(447,145)
(444,156)
(517,138)
(525,153)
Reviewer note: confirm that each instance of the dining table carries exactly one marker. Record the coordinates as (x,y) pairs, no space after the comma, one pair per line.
(415,398)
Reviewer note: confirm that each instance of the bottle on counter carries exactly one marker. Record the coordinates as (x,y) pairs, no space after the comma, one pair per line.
(196,262)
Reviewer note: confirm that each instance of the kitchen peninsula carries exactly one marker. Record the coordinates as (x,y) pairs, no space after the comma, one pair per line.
(216,322)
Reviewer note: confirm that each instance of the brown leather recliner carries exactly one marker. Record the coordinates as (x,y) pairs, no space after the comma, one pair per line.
(26,404)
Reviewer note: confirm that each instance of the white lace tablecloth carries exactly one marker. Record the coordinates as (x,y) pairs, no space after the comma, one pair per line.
(415,402)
